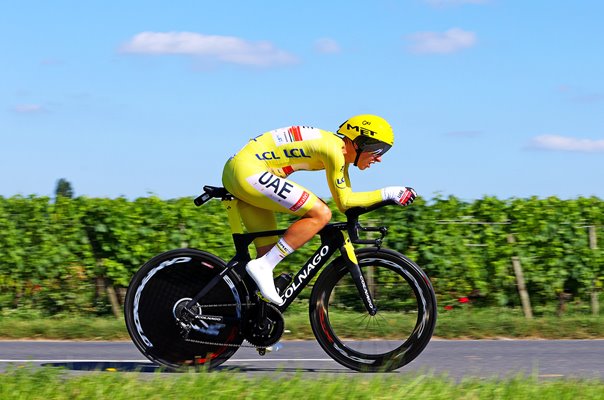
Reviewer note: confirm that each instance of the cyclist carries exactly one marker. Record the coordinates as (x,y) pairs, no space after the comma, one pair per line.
(258,176)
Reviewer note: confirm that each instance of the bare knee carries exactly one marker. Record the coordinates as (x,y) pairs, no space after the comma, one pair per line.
(305,228)
(320,213)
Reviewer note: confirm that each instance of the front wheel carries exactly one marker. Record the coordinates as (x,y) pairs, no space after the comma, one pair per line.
(394,336)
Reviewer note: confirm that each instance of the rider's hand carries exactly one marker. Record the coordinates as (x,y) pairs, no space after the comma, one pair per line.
(402,195)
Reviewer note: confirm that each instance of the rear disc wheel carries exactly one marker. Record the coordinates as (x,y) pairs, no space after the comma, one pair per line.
(156,297)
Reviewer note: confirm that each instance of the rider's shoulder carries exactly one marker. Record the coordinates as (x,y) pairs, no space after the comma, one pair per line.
(297,133)
(330,147)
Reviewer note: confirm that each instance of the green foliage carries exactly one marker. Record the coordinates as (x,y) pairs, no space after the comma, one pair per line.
(55,254)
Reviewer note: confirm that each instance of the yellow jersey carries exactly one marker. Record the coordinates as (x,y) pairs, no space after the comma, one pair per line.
(283,151)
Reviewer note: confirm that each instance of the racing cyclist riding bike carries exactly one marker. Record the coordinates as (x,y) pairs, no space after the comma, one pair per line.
(258,176)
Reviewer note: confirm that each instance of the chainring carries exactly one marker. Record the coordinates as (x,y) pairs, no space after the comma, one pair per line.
(263,332)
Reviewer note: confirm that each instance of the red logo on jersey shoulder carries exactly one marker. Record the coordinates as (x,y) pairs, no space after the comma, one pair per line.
(296,133)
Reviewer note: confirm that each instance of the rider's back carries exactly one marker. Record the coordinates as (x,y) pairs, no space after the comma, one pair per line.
(294,148)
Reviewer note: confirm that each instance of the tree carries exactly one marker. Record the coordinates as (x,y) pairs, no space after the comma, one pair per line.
(64,188)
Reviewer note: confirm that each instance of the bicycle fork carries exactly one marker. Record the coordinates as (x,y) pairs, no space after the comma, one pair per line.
(357,276)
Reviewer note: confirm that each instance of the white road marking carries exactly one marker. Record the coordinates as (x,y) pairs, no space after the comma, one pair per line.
(233,360)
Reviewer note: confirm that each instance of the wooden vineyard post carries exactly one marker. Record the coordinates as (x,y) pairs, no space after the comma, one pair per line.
(593,244)
(115,304)
(524,297)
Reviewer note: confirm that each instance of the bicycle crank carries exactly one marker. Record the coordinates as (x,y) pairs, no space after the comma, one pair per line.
(263,330)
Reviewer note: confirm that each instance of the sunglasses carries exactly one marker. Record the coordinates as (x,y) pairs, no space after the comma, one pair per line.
(369,145)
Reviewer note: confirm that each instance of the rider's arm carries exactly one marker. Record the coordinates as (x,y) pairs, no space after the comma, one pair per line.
(341,188)
(339,183)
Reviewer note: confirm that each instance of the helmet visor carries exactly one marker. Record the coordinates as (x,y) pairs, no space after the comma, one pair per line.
(369,145)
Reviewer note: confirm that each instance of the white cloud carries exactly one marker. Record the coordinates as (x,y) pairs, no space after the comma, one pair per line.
(28,108)
(227,49)
(565,143)
(327,46)
(447,42)
(444,3)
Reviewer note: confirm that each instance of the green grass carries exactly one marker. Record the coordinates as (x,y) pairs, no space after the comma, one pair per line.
(46,383)
(63,328)
(455,324)
(494,323)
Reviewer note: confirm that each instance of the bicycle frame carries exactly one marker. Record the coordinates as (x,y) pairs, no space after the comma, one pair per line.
(333,237)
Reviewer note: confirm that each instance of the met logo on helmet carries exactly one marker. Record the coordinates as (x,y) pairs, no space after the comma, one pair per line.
(363,131)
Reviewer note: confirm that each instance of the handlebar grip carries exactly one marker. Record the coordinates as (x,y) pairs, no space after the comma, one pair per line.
(212,192)
(202,199)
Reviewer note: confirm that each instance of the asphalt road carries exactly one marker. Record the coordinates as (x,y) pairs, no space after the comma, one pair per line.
(455,358)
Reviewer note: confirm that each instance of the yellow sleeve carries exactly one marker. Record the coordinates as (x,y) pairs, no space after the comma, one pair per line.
(339,182)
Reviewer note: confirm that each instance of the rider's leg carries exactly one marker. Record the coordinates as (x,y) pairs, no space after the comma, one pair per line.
(261,193)
(262,250)
(305,228)
(258,219)
(300,232)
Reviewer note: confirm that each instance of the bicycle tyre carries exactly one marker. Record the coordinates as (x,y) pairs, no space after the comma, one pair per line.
(404,322)
(152,295)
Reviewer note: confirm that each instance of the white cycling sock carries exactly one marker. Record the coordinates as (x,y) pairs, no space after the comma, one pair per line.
(277,253)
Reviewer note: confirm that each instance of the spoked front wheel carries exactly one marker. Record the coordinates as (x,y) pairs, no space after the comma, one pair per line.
(168,335)
(393,337)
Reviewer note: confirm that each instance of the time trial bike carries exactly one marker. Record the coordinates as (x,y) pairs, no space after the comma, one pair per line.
(371,309)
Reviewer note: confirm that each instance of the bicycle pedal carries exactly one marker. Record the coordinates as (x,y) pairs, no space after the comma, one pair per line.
(276,347)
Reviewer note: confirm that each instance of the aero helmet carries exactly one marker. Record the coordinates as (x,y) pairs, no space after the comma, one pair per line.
(369,133)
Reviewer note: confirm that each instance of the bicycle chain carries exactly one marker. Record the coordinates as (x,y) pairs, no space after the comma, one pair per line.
(224,344)
(226,305)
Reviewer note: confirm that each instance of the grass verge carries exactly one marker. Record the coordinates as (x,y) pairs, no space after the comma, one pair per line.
(457,324)
(32,384)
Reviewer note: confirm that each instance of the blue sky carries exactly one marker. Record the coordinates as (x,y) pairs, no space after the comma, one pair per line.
(132,98)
